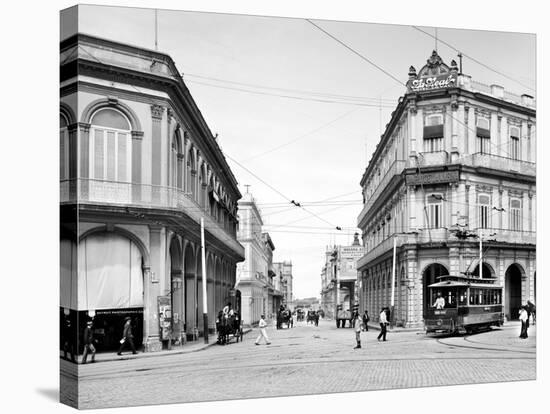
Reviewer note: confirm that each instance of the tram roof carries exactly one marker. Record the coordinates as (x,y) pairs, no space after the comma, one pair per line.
(463,280)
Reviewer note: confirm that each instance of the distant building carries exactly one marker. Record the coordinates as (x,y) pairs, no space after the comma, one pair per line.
(307,303)
(284,269)
(456,163)
(339,277)
(256,278)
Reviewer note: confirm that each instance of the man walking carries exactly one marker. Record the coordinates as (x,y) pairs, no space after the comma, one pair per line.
(366,320)
(127,336)
(88,339)
(357,326)
(263,333)
(383,324)
(524,318)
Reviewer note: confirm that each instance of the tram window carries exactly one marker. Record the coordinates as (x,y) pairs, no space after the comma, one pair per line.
(462,297)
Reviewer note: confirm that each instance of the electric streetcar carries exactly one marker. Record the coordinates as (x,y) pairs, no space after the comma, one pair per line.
(461,304)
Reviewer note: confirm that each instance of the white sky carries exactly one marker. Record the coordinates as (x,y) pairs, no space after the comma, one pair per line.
(333,140)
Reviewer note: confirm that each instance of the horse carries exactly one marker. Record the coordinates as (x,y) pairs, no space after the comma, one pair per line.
(284,316)
(228,325)
(531,310)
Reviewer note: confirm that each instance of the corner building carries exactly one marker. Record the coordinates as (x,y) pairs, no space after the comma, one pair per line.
(456,163)
(139,167)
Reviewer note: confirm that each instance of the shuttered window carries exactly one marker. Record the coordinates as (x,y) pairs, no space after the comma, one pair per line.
(514,143)
(433,133)
(483,134)
(484,217)
(110,146)
(515,214)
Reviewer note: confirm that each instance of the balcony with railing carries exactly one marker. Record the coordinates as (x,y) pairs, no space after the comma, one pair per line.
(497,162)
(508,236)
(113,193)
(395,169)
(432,158)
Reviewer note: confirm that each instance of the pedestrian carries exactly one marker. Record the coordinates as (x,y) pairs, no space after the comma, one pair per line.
(366,320)
(127,336)
(88,339)
(357,326)
(263,333)
(532,310)
(68,335)
(383,324)
(523,317)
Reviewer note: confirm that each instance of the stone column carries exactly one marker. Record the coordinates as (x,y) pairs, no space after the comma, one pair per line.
(494,134)
(471,131)
(152,290)
(137,140)
(461,134)
(84,161)
(157,112)
(503,149)
(73,161)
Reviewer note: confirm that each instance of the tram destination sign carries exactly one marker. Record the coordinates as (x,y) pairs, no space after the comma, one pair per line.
(447,80)
(432,178)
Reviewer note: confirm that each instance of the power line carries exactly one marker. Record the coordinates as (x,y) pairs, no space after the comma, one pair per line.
(292,97)
(301,136)
(473,59)
(356,52)
(322,94)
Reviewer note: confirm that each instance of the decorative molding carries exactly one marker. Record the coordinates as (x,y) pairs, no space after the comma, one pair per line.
(84,127)
(157,111)
(137,135)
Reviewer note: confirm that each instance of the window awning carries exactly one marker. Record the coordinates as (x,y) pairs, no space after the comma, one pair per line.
(483,132)
(433,131)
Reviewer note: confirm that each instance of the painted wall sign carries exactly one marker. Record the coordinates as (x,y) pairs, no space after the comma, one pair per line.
(432,178)
(448,80)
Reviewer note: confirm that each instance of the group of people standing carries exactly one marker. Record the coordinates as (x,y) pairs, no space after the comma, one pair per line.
(360,324)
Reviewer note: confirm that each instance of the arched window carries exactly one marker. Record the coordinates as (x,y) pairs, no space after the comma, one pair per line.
(176,156)
(191,172)
(110,146)
(63,148)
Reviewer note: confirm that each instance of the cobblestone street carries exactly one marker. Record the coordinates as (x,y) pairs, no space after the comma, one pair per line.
(309,360)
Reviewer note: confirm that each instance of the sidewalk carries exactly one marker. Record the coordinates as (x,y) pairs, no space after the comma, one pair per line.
(127,355)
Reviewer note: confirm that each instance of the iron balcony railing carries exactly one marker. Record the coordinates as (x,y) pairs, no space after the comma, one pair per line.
(92,191)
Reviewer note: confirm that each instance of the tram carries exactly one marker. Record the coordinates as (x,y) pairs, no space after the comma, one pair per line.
(463,304)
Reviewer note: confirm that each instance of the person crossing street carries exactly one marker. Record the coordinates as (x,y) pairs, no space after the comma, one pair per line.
(263,332)
(383,325)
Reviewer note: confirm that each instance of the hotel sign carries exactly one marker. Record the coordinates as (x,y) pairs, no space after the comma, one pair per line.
(448,80)
(432,178)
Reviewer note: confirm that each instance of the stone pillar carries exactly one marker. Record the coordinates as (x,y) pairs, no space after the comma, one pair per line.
(471,131)
(73,161)
(156,150)
(494,134)
(523,140)
(532,143)
(503,149)
(137,140)
(461,134)
(151,341)
(506,212)
(84,161)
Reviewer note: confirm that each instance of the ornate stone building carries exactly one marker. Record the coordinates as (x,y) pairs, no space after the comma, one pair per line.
(456,163)
(255,276)
(139,169)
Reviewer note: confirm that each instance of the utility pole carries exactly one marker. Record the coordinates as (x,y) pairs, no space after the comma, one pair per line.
(204,298)
(480,254)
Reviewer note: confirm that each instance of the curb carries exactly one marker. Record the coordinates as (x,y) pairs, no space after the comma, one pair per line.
(160,353)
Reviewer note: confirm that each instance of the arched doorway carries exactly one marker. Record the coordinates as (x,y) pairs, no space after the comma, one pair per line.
(190,291)
(176,291)
(512,291)
(429,276)
(487,273)
(110,287)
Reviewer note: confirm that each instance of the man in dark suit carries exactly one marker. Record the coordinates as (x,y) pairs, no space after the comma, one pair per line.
(88,339)
(127,336)
(68,339)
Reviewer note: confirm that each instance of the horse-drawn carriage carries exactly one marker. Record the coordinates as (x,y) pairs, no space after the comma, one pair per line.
(229,326)
(312,317)
(284,316)
(300,314)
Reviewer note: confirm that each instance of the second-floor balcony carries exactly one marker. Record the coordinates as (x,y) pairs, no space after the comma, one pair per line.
(496,162)
(439,235)
(113,193)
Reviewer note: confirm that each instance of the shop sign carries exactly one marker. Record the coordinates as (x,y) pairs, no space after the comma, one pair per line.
(432,178)
(447,80)
(165,317)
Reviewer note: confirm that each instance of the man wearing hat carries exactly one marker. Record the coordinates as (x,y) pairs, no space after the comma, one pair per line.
(127,336)
(88,339)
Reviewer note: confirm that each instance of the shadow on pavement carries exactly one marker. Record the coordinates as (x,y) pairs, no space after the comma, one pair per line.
(50,393)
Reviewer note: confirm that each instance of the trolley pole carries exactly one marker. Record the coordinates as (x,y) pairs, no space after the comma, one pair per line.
(480,254)
(393,281)
(204,297)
